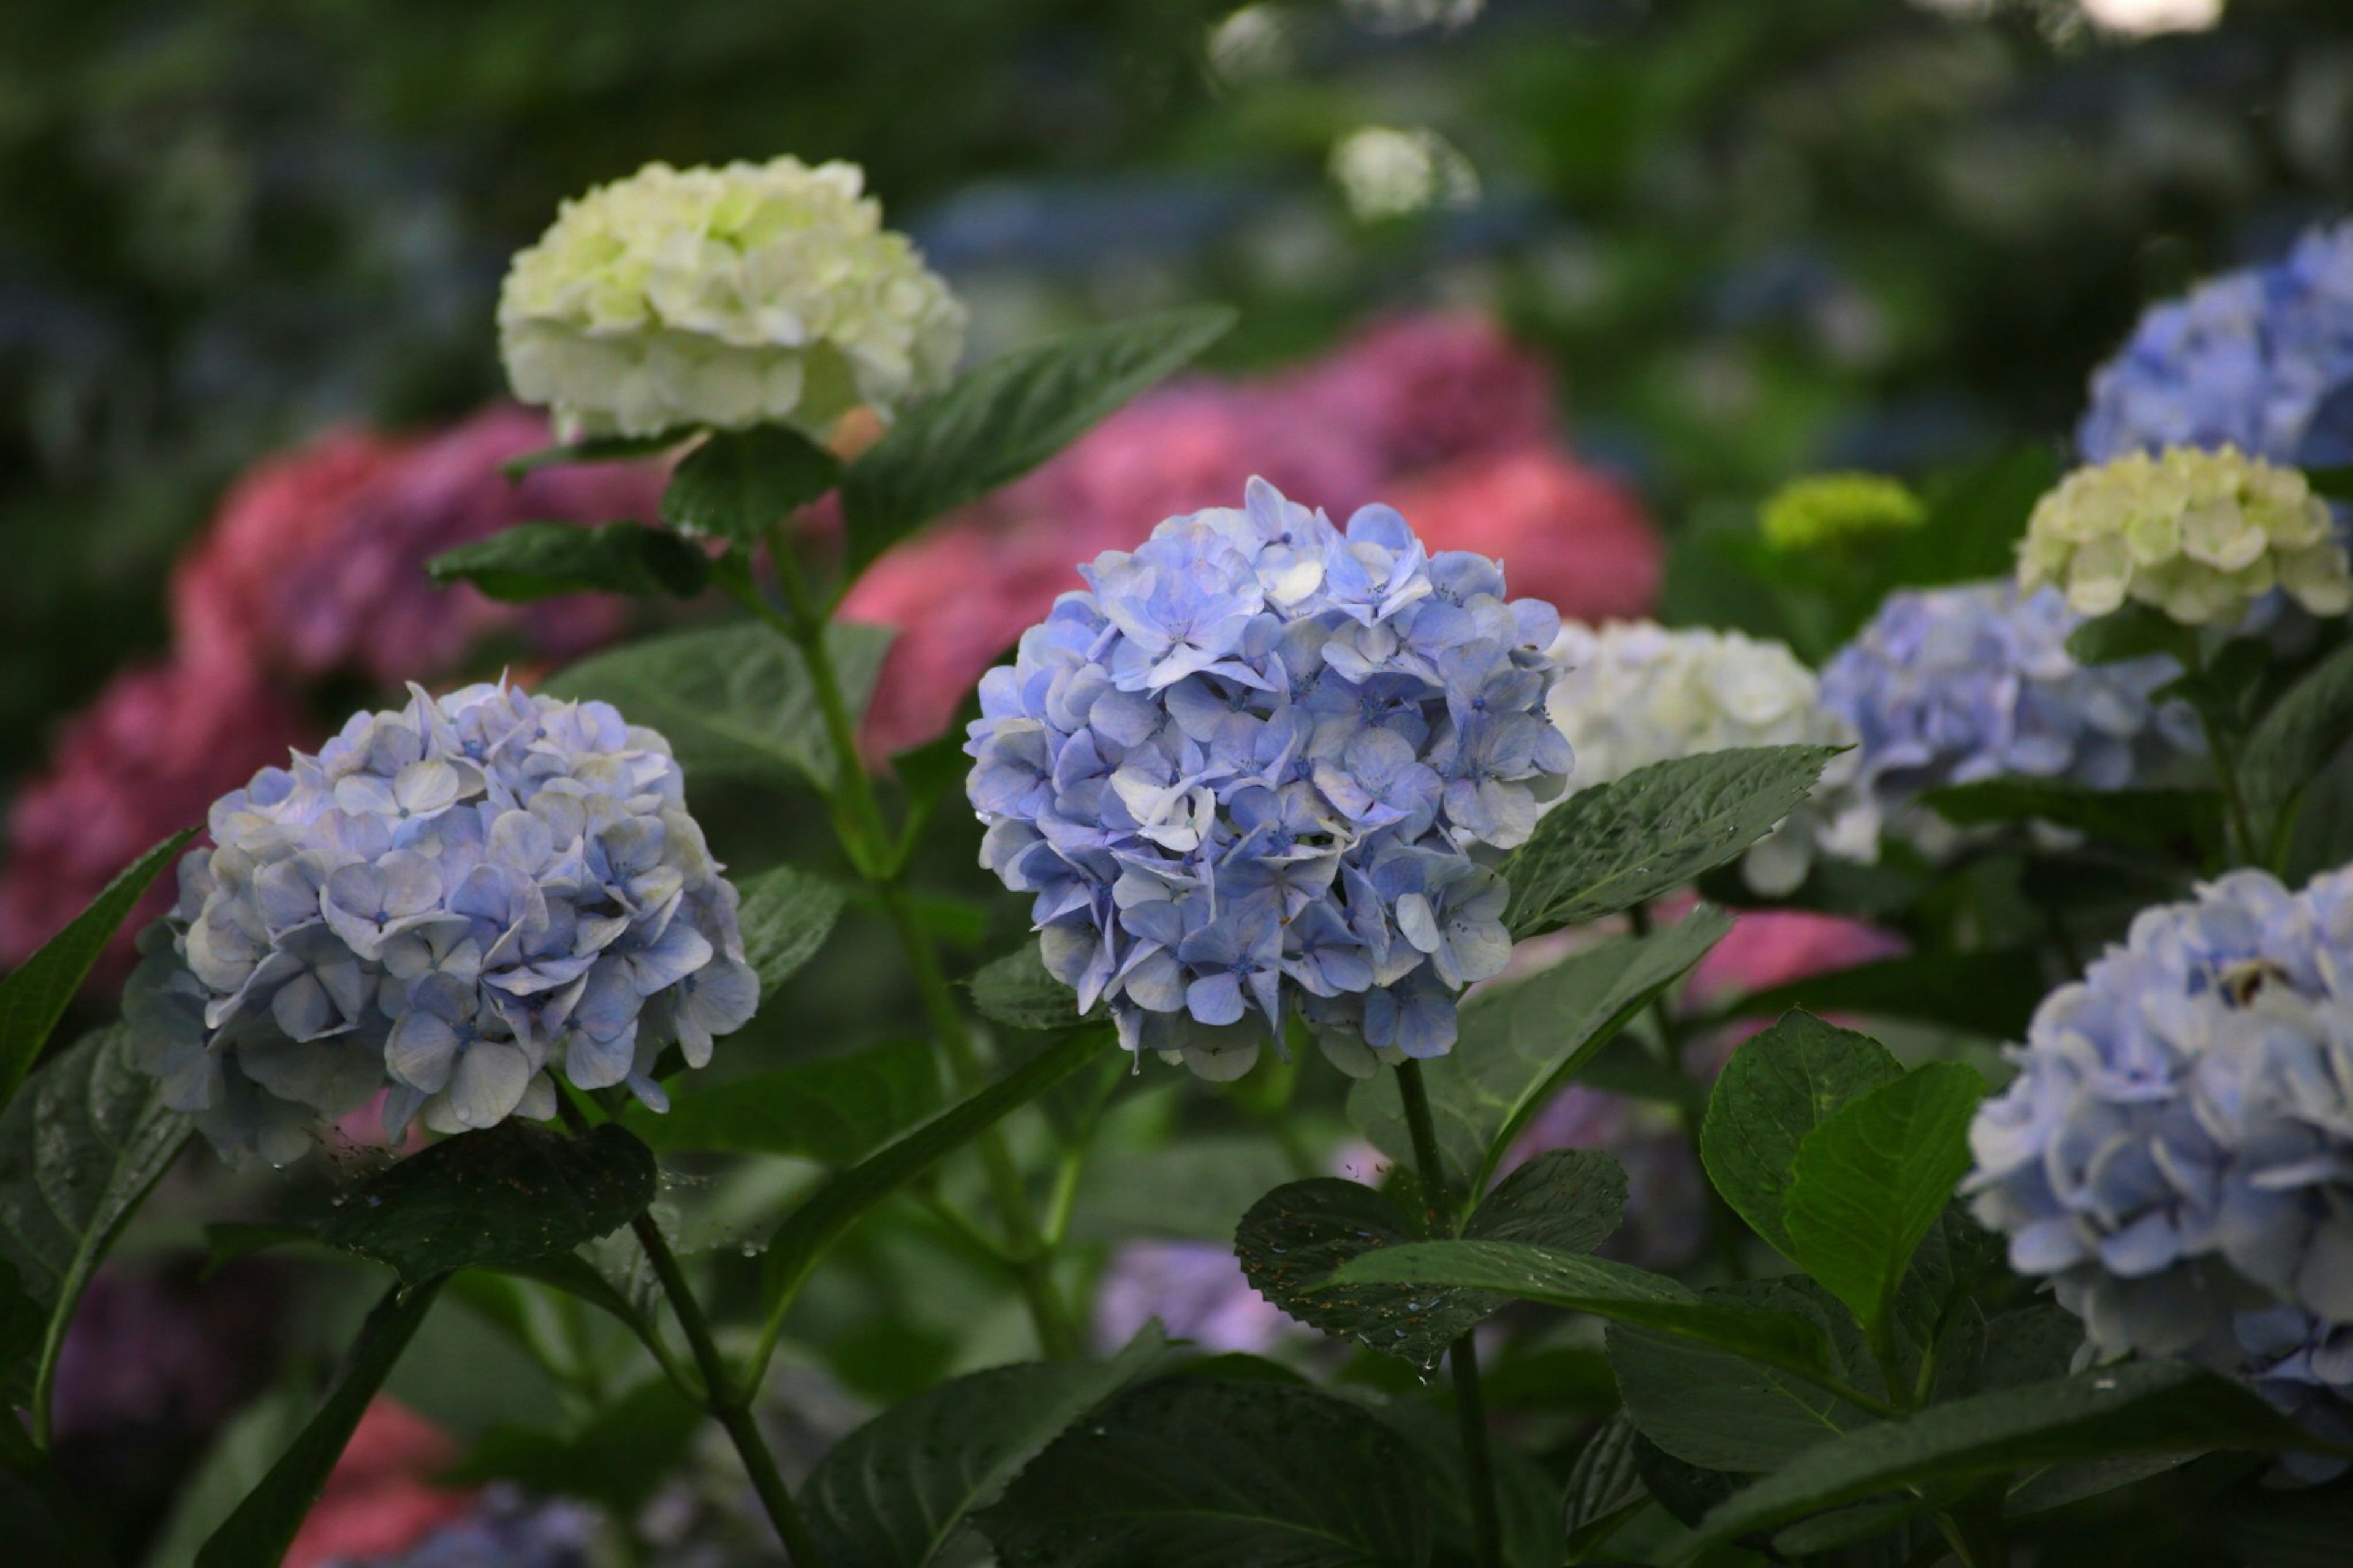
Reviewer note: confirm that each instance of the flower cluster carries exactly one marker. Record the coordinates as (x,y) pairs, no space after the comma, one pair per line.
(2260,359)
(1632,693)
(1442,414)
(1830,510)
(1949,685)
(446,903)
(751,294)
(2174,1153)
(2201,535)
(1246,774)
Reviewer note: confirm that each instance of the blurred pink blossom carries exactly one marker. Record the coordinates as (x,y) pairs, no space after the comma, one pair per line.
(1344,430)
(315,564)
(1773,947)
(145,760)
(380,1500)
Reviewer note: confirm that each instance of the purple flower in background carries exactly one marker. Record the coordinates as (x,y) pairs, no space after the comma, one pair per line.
(1197,1291)
(448,900)
(2261,359)
(1254,772)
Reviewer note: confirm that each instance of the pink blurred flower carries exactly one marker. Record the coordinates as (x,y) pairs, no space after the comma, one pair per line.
(315,564)
(1773,947)
(146,759)
(1566,534)
(380,1500)
(1337,433)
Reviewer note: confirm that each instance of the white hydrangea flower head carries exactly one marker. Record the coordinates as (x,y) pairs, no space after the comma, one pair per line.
(1634,692)
(2201,535)
(757,293)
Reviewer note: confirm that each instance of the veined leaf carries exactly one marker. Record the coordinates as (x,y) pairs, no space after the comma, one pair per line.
(835,1110)
(539,559)
(1605,1487)
(1621,844)
(35,995)
(998,421)
(597,449)
(786,915)
(1016,992)
(899,1492)
(739,483)
(734,702)
(1778,1087)
(2295,740)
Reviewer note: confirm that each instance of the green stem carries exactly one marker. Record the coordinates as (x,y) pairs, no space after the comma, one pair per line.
(2243,848)
(1725,1225)
(729,1404)
(868,841)
(1973,1529)
(1463,1356)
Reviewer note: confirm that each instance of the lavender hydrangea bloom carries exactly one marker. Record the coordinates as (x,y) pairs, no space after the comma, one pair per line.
(1262,768)
(507,1527)
(2176,1151)
(447,902)
(2260,359)
(1949,685)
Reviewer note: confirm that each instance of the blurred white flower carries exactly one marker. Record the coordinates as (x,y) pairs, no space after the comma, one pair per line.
(2141,18)
(1249,45)
(1411,15)
(766,293)
(1385,172)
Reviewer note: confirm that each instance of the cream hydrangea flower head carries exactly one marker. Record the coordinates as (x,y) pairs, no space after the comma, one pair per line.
(2199,534)
(757,293)
(1832,509)
(1634,692)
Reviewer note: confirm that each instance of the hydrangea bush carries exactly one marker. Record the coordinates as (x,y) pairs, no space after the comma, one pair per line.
(1260,779)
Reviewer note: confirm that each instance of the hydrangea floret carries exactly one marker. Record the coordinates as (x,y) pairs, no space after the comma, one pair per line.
(449,902)
(2199,536)
(1632,693)
(1828,510)
(1951,686)
(2260,359)
(757,293)
(2175,1152)
(1258,769)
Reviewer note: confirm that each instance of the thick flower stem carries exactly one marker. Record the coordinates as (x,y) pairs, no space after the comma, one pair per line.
(867,838)
(1463,1356)
(728,1404)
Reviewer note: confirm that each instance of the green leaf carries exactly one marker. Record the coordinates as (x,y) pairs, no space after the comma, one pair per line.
(899,1492)
(2293,741)
(1293,1239)
(2135,631)
(539,559)
(739,483)
(1724,1412)
(1621,844)
(835,1206)
(239,1456)
(617,1456)
(1527,1500)
(1778,1087)
(999,420)
(1976,514)
(734,702)
(35,996)
(1605,1487)
(264,1523)
(80,1147)
(1616,1291)
(1992,991)
(2162,819)
(2145,1407)
(1518,1043)
(1016,992)
(1190,1472)
(1873,1175)
(785,916)
(596,449)
(835,1110)
(507,1193)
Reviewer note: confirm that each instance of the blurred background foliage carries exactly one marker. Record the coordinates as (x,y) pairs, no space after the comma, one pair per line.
(1753,237)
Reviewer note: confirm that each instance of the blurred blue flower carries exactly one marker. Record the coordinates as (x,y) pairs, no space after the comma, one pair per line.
(2175,1152)
(1259,769)
(446,903)
(2261,359)
(1949,685)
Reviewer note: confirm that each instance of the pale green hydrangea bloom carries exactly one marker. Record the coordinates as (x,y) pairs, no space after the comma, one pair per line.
(1832,509)
(2199,534)
(757,293)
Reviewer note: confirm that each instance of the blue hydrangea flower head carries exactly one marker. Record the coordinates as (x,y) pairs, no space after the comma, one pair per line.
(1949,685)
(449,902)
(1261,768)
(2261,359)
(2176,1152)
